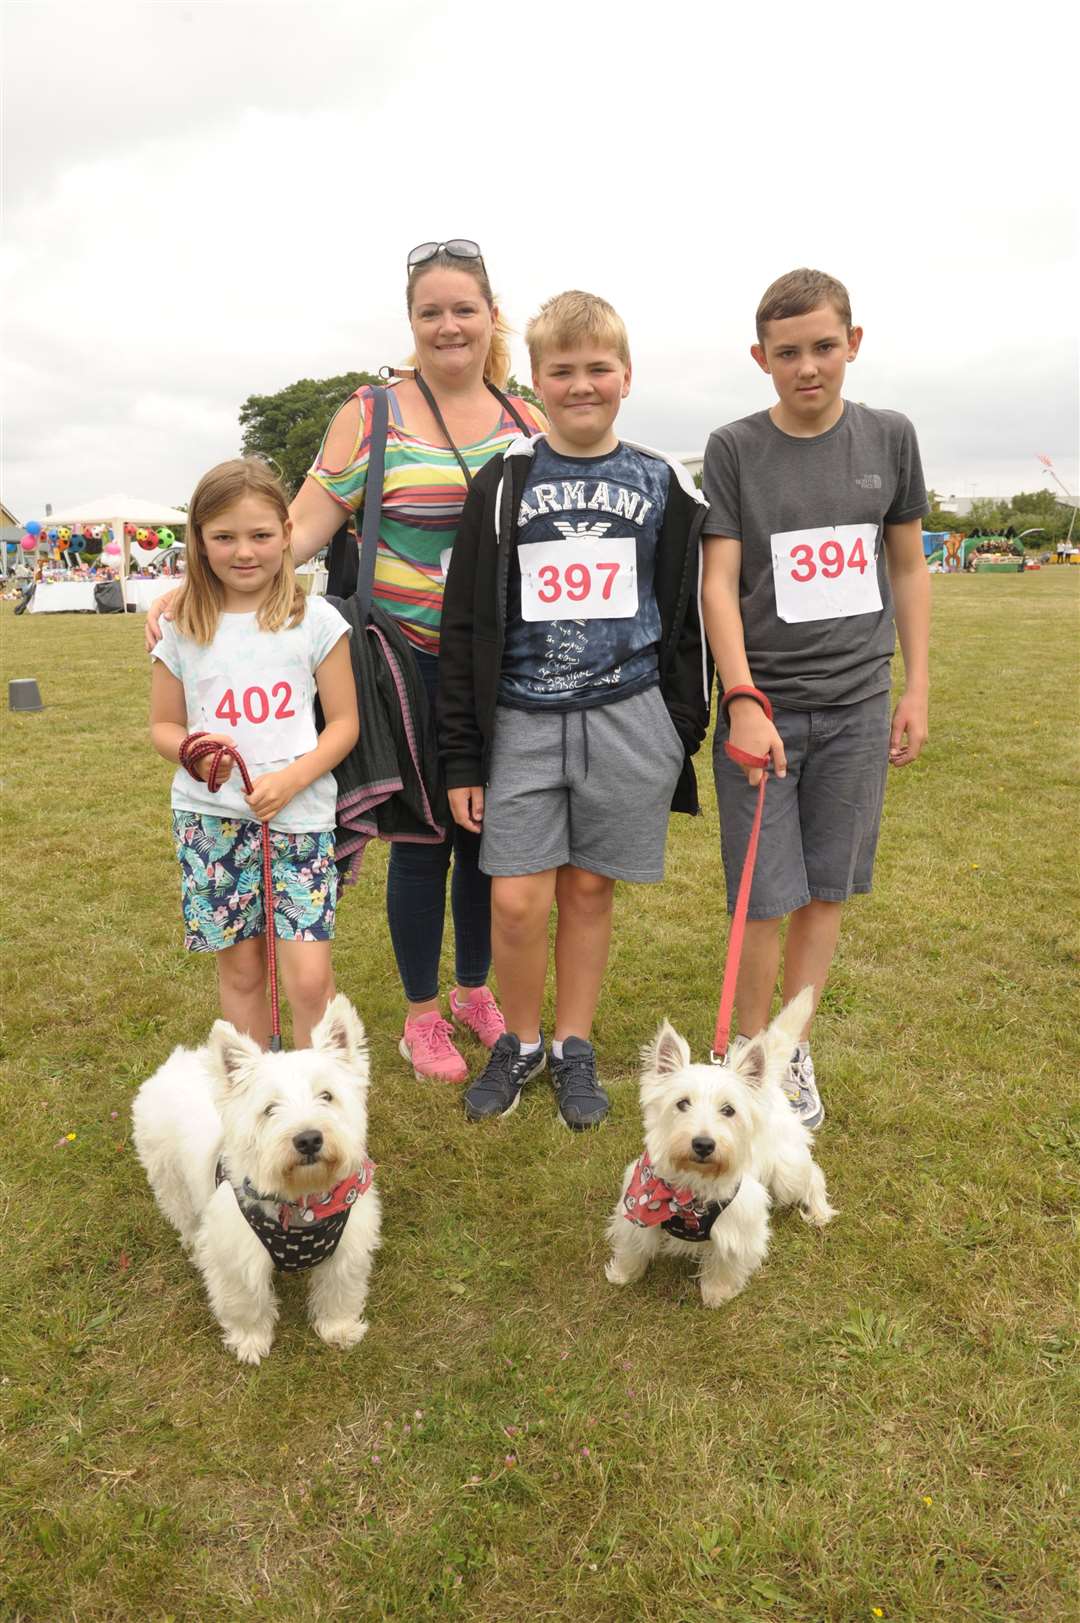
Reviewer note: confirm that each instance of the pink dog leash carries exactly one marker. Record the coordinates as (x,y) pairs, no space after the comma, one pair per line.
(195,747)
(718,1052)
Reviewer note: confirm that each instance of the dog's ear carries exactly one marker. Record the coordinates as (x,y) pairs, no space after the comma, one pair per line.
(667,1053)
(749,1064)
(340,1033)
(786,1029)
(233,1056)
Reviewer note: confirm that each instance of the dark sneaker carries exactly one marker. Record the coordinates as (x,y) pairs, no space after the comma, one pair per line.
(801,1089)
(497,1089)
(582,1101)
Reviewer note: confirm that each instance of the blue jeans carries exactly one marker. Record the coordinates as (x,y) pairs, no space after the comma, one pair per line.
(416,899)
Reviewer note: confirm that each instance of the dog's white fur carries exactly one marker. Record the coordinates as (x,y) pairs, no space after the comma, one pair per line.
(232,1101)
(740,1108)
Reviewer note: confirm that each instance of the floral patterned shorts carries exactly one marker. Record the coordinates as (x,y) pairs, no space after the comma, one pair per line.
(221,882)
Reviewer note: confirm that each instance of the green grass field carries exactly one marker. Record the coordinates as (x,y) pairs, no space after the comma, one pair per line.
(883,1425)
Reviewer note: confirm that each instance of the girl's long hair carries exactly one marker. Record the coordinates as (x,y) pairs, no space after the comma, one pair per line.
(201,600)
(497,363)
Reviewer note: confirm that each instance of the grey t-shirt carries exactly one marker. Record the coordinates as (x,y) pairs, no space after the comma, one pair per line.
(763,486)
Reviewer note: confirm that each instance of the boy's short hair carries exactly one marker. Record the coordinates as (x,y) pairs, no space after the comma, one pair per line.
(799,292)
(574,318)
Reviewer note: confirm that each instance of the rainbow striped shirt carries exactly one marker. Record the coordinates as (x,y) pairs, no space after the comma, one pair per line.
(423,494)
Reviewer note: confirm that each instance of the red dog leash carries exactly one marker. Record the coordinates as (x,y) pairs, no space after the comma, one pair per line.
(719,1048)
(197,747)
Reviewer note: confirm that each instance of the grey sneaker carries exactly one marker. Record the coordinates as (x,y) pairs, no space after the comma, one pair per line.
(802,1091)
(497,1089)
(582,1101)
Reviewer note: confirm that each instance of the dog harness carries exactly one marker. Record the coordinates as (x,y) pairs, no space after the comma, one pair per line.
(300,1234)
(650,1201)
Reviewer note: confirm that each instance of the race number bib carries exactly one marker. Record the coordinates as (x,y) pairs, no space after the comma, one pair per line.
(826,574)
(579,579)
(269,715)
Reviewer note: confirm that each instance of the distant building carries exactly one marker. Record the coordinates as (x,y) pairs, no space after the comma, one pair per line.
(961,505)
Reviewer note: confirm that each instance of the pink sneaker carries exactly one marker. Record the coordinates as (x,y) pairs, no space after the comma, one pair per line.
(481,1014)
(428,1043)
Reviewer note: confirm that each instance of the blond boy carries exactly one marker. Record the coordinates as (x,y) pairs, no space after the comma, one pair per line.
(573,690)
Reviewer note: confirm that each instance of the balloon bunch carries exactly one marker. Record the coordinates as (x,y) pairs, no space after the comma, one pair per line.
(80,538)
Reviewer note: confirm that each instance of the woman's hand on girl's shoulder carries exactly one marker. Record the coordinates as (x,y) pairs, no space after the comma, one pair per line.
(160,609)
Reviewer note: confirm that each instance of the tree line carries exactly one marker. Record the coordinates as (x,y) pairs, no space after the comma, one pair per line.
(1028,510)
(287,429)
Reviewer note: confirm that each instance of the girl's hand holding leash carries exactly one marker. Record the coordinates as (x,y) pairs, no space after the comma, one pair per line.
(752,732)
(271,792)
(201,769)
(467,808)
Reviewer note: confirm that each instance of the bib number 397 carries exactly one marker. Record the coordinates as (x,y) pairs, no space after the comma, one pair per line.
(826,574)
(579,579)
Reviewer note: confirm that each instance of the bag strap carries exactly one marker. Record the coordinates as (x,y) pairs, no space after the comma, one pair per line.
(433,406)
(351,565)
(373,495)
(509,407)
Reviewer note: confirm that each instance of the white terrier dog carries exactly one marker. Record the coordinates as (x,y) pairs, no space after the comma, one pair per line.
(259,1161)
(719,1142)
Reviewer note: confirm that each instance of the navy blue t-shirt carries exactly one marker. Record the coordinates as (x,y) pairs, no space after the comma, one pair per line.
(574,664)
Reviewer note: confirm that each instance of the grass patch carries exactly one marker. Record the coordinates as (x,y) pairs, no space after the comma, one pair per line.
(885,1419)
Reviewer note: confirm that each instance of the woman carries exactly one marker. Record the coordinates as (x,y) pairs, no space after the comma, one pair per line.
(444,418)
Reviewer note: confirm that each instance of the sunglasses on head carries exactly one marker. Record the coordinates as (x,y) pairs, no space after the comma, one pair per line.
(457,248)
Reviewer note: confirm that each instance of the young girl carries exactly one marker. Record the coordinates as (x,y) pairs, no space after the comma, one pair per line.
(246,649)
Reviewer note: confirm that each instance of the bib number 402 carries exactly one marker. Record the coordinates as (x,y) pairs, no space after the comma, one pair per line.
(254,706)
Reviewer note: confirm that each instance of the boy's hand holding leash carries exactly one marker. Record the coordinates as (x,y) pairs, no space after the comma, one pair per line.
(467,807)
(752,732)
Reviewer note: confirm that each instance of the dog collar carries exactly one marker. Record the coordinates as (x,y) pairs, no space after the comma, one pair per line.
(649,1201)
(300,1234)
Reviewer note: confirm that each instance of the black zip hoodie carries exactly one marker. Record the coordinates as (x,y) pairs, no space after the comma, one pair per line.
(473,626)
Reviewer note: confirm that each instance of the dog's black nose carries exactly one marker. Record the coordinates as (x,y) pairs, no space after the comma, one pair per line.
(703,1147)
(309,1143)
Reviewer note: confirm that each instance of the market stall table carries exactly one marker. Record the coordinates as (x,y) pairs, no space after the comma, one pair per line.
(77,596)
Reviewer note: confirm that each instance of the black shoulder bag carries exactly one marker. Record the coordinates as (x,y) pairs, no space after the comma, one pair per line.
(351,568)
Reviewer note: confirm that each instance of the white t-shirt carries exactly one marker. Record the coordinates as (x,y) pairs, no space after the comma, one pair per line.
(258,688)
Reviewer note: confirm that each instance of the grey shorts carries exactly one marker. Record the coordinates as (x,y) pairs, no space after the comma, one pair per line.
(819,829)
(587,787)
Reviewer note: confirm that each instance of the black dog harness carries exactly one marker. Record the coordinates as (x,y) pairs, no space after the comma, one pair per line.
(650,1201)
(300,1234)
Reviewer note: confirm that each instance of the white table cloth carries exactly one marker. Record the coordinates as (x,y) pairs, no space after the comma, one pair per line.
(77,596)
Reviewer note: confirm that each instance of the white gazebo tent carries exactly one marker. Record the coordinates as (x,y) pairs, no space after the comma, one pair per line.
(116,511)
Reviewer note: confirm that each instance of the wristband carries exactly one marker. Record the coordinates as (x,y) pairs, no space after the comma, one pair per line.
(746,691)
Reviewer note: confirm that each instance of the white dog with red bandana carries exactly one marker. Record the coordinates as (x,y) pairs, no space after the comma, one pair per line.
(721,1143)
(259,1160)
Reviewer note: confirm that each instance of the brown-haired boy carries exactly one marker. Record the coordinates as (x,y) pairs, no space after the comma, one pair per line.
(573,689)
(813,546)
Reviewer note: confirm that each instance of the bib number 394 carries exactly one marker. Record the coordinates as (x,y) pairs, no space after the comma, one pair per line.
(826,574)
(579,579)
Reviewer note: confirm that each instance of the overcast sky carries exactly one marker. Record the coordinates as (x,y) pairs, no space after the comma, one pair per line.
(205,201)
